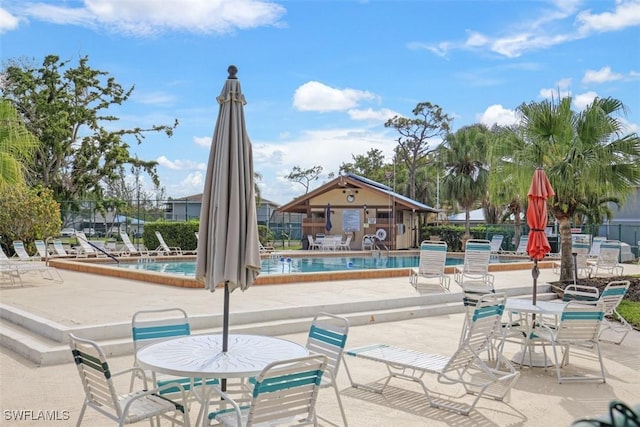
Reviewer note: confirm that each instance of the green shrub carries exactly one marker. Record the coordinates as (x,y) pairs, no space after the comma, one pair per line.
(27,214)
(179,234)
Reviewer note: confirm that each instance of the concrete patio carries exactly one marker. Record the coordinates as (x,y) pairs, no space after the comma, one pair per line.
(386,310)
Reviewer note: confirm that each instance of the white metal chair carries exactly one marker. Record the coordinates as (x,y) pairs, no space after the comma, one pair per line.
(346,245)
(608,258)
(611,296)
(59,249)
(368,242)
(475,268)
(21,252)
(464,368)
(312,243)
(433,257)
(27,264)
(86,249)
(152,326)
(578,325)
(581,249)
(164,248)
(283,392)
(595,246)
(328,336)
(130,247)
(101,394)
(580,293)
(522,245)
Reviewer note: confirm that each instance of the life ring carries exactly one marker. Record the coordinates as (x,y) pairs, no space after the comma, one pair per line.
(381,233)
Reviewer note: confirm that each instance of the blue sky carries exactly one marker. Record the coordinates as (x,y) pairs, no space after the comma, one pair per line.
(322,77)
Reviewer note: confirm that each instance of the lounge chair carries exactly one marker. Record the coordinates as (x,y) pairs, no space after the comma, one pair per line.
(496,243)
(59,249)
(433,257)
(579,325)
(608,259)
(266,249)
(284,392)
(464,368)
(522,246)
(611,297)
(86,250)
(328,336)
(21,252)
(164,248)
(16,268)
(595,246)
(582,259)
(474,272)
(130,248)
(42,249)
(101,394)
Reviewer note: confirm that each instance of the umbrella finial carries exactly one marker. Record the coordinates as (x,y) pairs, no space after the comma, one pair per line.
(233,70)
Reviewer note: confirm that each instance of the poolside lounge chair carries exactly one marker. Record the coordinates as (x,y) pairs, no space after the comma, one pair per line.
(595,246)
(312,243)
(59,249)
(164,248)
(433,257)
(15,269)
(474,272)
(346,245)
(42,249)
(328,336)
(265,249)
(608,259)
(522,246)
(579,325)
(284,392)
(86,250)
(130,248)
(101,393)
(582,261)
(464,368)
(21,252)
(496,243)
(611,296)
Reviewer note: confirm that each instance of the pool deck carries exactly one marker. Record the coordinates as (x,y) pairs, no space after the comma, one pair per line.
(88,299)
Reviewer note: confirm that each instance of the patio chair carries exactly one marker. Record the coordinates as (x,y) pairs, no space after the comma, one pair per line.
(312,243)
(59,249)
(19,267)
(522,246)
(611,296)
(328,336)
(266,249)
(10,272)
(496,243)
(368,242)
(578,325)
(283,392)
(580,293)
(464,368)
(164,248)
(433,257)
(101,393)
(86,250)
(346,245)
(152,326)
(474,272)
(43,251)
(608,259)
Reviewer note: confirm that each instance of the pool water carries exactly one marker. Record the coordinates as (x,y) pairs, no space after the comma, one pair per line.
(284,265)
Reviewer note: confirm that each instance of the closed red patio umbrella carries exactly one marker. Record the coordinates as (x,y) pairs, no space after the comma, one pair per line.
(538,244)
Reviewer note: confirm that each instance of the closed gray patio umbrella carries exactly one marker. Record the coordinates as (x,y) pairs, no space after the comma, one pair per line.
(228,251)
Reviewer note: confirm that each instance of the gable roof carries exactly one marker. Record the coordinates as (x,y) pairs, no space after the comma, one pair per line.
(353,181)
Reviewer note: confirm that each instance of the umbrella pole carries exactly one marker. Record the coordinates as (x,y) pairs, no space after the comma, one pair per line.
(225,330)
(535,273)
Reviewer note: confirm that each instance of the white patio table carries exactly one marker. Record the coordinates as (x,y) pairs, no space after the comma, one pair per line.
(200,356)
(549,308)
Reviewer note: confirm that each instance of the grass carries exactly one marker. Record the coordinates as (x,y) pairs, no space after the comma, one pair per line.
(630,310)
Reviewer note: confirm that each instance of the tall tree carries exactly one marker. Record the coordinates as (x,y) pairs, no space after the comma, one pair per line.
(463,156)
(369,165)
(304,177)
(66,108)
(17,146)
(415,137)
(584,154)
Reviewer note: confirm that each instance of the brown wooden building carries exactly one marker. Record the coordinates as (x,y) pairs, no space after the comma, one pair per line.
(358,206)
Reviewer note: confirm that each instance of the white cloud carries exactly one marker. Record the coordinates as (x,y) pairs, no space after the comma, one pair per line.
(316,96)
(203,141)
(601,76)
(476,39)
(180,164)
(582,100)
(497,115)
(8,21)
(626,14)
(630,127)
(374,115)
(154,98)
(560,91)
(145,18)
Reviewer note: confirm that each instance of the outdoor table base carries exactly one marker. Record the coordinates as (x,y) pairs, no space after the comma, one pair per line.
(524,357)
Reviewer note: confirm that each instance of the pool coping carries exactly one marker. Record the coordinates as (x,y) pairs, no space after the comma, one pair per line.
(99,266)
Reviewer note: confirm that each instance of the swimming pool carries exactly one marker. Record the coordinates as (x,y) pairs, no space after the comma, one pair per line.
(286,265)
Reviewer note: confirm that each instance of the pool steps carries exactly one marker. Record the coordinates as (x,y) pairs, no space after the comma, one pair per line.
(44,342)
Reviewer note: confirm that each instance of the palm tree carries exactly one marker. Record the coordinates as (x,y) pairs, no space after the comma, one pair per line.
(584,153)
(17,145)
(463,156)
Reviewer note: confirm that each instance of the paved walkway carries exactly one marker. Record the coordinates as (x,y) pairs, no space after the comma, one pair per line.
(536,400)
